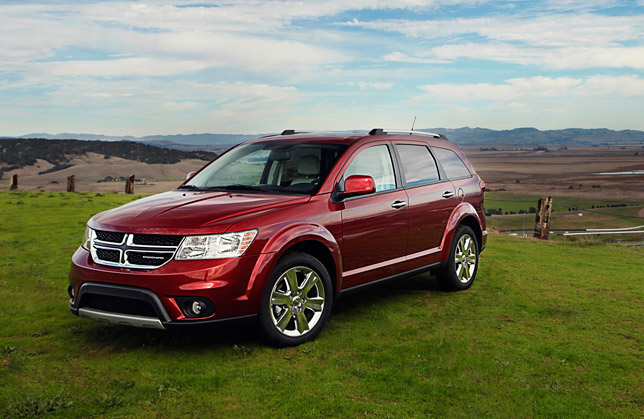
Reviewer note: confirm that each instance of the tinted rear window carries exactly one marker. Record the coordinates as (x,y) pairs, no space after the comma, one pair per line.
(418,164)
(452,164)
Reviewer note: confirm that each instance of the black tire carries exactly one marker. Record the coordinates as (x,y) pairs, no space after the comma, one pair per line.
(288,318)
(460,269)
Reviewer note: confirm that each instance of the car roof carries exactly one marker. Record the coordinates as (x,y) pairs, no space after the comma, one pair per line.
(335,137)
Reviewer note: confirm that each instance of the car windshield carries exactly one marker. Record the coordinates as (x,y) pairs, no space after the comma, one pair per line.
(270,167)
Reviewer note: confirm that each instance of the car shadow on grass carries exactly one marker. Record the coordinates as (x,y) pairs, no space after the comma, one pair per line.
(104,337)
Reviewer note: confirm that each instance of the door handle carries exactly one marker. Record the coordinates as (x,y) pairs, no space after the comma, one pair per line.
(448,194)
(398,204)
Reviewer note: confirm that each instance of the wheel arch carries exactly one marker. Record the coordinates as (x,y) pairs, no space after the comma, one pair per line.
(319,251)
(312,239)
(463,214)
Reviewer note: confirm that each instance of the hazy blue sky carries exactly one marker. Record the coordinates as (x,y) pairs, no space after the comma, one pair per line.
(165,67)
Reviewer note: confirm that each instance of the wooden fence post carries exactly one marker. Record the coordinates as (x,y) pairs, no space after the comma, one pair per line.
(542,219)
(14,183)
(129,184)
(71,183)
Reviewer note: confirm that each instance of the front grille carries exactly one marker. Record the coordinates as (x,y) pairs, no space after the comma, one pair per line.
(108,255)
(156,240)
(148,258)
(109,236)
(113,304)
(144,251)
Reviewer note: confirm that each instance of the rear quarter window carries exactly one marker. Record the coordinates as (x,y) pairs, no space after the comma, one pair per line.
(418,164)
(452,164)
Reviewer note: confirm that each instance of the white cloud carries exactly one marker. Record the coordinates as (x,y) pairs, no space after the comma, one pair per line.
(557,41)
(363,85)
(553,58)
(366,85)
(418,59)
(550,30)
(139,66)
(526,90)
(178,106)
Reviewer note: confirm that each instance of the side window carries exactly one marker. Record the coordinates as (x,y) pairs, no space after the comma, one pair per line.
(452,164)
(418,164)
(375,162)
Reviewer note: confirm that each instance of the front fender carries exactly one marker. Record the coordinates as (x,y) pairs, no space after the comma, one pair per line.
(278,245)
(462,211)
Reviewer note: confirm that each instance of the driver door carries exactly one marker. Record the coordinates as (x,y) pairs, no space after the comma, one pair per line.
(374,226)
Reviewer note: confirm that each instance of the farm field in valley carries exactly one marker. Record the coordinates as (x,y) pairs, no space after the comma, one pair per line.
(569,172)
(549,329)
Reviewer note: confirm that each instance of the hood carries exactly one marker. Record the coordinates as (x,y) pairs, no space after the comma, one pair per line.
(189,212)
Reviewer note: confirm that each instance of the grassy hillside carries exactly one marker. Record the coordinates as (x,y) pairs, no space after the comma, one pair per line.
(17,153)
(548,329)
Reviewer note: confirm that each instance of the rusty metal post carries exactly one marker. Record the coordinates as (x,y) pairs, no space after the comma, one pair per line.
(129,184)
(71,183)
(542,219)
(14,183)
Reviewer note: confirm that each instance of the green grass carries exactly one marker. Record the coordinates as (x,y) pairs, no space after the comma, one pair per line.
(547,330)
(562,219)
(515,202)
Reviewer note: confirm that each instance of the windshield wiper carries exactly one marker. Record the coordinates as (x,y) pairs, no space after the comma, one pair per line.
(188,187)
(237,187)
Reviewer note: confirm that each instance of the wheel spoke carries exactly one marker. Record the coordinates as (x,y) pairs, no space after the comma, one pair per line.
(309,282)
(283,321)
(460,270)
(291,279)
(302,322)
(314,304)
(279,298)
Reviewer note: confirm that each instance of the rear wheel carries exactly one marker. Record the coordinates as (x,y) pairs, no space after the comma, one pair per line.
(461,266)
(297,301)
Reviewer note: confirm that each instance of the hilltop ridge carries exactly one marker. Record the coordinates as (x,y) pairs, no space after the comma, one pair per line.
(464,136)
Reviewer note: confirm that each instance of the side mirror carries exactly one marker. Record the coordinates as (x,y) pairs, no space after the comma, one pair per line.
(358,185)
(191,174)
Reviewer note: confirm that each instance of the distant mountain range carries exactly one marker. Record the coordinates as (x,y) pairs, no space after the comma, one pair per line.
(463,136)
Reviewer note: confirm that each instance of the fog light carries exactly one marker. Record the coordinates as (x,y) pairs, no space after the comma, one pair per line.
(197,307)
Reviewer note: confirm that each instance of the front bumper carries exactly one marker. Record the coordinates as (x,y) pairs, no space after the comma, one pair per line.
(227,283)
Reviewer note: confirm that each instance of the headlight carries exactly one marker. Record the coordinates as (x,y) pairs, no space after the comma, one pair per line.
(87,240)
(216,246)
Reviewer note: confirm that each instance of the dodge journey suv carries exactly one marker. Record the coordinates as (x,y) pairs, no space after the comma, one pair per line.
(276,228)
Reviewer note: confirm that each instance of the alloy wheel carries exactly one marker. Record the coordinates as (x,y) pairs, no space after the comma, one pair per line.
(297,301)
(465,258)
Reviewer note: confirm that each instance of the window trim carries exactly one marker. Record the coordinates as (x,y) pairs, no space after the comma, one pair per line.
(441,174)
(394,163)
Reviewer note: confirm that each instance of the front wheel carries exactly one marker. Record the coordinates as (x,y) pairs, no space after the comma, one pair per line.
(461,266)
(297,301)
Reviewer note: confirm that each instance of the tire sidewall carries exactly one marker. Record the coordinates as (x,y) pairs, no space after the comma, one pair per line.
(268,329)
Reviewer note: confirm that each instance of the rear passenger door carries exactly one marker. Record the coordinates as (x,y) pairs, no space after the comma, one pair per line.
(431,200)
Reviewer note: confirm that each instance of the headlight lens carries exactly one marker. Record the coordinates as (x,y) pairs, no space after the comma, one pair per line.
(87,240)
(216,246)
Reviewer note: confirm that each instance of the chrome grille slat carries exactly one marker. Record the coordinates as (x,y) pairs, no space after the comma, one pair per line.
(126,250)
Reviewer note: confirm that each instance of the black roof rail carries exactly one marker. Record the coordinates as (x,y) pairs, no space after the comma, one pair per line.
(288,132)
(377,131)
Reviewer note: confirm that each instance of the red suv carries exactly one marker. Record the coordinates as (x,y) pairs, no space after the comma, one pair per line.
(276,228)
